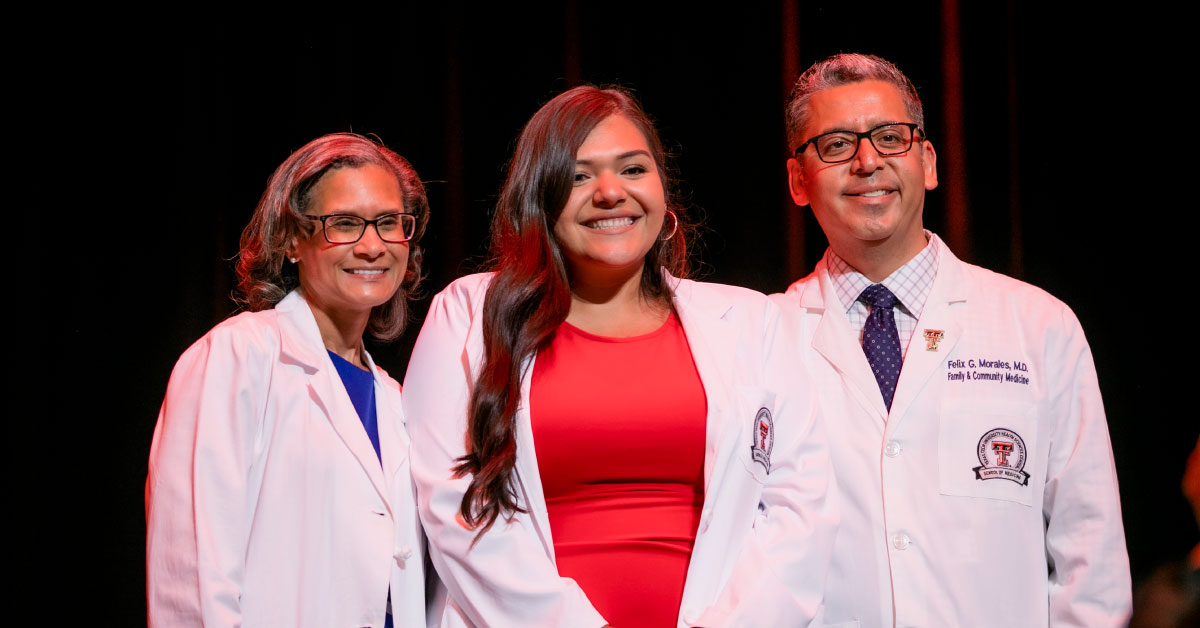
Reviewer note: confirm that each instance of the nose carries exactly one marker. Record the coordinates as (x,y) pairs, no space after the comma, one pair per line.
(867,159)
(370,245)
(610,192)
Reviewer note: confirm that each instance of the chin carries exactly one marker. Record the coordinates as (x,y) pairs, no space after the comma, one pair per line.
(877,229)
(372,299)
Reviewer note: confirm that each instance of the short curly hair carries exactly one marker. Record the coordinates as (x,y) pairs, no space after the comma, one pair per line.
(264,274)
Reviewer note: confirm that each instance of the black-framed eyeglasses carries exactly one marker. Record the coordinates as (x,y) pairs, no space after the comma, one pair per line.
(348,228)
(835,147)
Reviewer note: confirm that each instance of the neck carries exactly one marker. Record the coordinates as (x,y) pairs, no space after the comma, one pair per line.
(612,304)
(878,260)
(342,332)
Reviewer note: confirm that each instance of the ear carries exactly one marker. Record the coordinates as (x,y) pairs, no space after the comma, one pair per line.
(290,251)
(796,182)
(929,159)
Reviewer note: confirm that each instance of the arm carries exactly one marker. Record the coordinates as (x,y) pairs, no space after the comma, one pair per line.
(779,576)
(1085,538)
(196,492)
(506,578)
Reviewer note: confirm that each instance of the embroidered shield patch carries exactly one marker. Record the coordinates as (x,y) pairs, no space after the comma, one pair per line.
(764,439)
(1001,456)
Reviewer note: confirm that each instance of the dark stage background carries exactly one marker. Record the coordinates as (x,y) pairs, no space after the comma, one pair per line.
(176,128)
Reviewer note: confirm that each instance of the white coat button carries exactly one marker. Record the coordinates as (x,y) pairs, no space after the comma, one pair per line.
(703,527)
(690,617)
(402,554)
(900,541)
(892,449)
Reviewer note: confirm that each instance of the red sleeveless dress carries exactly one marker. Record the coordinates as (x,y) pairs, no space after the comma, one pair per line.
(619,429)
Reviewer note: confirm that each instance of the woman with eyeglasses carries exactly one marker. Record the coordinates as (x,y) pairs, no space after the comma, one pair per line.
(279,490)
(601,442)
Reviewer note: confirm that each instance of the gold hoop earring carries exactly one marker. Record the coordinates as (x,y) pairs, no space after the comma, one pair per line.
(674,226)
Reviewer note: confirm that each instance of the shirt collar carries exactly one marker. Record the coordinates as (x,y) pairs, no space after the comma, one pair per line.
(911,283)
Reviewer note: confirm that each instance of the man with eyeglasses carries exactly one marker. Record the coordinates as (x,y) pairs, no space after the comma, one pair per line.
(968,435)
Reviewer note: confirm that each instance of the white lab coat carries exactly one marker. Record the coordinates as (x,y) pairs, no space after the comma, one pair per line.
(763,539)
(265,503)
(922,542)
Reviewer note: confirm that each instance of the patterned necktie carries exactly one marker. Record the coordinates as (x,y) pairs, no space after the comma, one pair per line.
(880,340)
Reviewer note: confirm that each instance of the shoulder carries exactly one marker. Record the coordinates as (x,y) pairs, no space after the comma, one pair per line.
(232,362)
(992,290)
(804,283)
(985,281)
(249,324)
(1001,309)
(689,293)
(727,310)
(469,285)
(719,290)
(454,318)
(794,295)
(246,336)
(466,292)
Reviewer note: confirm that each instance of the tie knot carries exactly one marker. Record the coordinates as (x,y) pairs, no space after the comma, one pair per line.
(878,295)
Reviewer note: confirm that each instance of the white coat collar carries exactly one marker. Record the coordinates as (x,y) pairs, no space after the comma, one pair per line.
(944,313)
(949,278)
(300,341)
(702,314)
(837,343)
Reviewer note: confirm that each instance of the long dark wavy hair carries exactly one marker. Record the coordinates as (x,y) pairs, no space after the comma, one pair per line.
(264,274)
(530,295)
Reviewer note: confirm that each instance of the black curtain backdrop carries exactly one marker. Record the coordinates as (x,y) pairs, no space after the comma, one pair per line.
(160,135)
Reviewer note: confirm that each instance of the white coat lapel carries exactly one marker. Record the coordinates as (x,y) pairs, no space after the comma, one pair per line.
(527,470)
(393,437)
(529,478)
(301,341)
(712,342)
(943,313)
(837,343)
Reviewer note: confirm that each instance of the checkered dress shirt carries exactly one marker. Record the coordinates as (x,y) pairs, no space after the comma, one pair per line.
(910,283)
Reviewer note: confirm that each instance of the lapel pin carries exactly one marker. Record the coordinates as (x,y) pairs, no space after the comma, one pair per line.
(932,338)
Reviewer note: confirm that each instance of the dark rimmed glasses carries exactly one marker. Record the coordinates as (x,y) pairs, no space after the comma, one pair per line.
(889,140)
(348,228)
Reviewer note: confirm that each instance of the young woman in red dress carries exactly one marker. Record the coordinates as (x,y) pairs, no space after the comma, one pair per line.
(597,441)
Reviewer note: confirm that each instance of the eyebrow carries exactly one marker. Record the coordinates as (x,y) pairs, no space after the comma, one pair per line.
(845,130)
(347,211)
(622,156)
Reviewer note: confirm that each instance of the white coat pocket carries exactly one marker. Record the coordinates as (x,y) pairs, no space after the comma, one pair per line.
(986,448)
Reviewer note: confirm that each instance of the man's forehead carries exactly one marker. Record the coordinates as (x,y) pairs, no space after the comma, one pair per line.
(855,107)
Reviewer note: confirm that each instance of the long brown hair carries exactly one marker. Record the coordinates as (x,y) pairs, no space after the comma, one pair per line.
(530,295)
